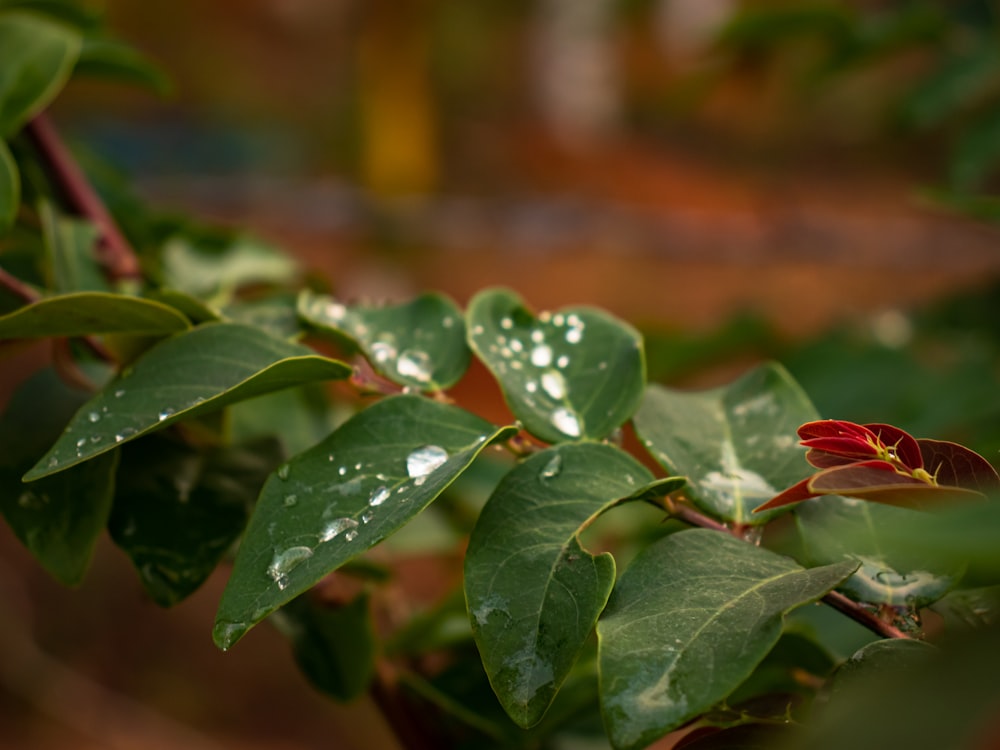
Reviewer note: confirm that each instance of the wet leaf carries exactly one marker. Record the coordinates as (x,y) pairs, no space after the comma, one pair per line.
(836,528)
(688,622)
(58,518)
(334,646)
(533,592)
(39,55)
(370,477)
(419,344)
(178,509)
(574,374)
(186,375)
(737,444)
(88,313)
(10,188)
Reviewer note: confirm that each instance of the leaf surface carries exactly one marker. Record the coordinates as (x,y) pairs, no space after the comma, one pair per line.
(186,375)
(419,344)
(10,187)
(737,444)
(88,313)
(39,55)
(688,622)
(533,592)
(58,518)
(70,247)
(577,373)
(370,477)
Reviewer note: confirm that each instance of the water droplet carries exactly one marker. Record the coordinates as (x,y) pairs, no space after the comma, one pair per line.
(383,352)
(552,468)
(545,316)
(537,336)
(335,527)
(447,321)
(558,319)
(342,470)
(477,330)
(334,311)
(566,422)
(283,471)
(379,496)
(284,562)
(562,362)
(94,416)
(414,364)
(573,335)
(291,500)
(424,460)
(506,323)
(541,356)
(81,442)
(554,384)
(516,345)
(531,386)
(351,535)
(165,414)
(53,462)
(119,393)
(367,516)
(126,433)
(602,365)
(330,457)
(419,481)
(95,439)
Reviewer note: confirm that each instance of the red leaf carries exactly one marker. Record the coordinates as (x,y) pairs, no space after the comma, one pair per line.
(834,428)
(905,446)
(954,464)
(794,494)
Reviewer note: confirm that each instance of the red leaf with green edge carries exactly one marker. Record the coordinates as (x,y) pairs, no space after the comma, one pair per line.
(902,444)
(869,481)
(954,464)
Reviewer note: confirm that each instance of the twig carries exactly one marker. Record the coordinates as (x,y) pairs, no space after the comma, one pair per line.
(114,252)
(18,288)
(835,599)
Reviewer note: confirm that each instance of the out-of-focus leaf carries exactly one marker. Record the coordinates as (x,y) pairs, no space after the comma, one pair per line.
(574,374)
(298,417)
(70,244)
(58,518)
(374,474)
(954,86)
(39,55)
(178,509)
(111,59)
(976,152)
(186,375)
(533,592)
(688,622)
(208,271)
(88,313)
(10,188)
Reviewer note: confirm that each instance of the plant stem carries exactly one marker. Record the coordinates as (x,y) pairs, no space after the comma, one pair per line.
(115,254)
(838,601)
(18,288)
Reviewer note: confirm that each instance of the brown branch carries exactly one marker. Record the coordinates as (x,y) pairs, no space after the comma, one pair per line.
(18,288)
(114,251)
(838,601)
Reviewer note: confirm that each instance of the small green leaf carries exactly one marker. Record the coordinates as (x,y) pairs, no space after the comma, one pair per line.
(88,313)
(334,646)
(59,518)
(69,244)
(204,270)
(370,477)
(275,314)
(177,510)
(107,58)
(39,55)
(688,622)
(533,592)
(737,445)
(10,188)
(186,375)
(419,344)
(577,373)
(836,528)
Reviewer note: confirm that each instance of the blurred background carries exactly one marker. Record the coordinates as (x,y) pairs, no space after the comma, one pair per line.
(742,179)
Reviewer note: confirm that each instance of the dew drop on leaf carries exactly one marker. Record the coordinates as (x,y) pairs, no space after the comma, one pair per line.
(284,562)
(164,414)
(554,384)
(291,500)
(566,422)
(552,468)
(283,471)
(414,364)
(379,496)
(94,416)
(335,527)
(424,460)
(541,356)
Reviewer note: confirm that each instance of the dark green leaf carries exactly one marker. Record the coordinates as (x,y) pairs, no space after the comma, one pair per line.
(69,244)
(688,622)
(737,445)
(419,344)
(186,375)
(334,646)
(178,510)
(836,528)
(533,592)
(275,314)
(10,188)
(87,313)
(39,55)
(577,373)
(107,58)
(953,87)
(894,655)
(298,417)
(58,518)
(192,307)
(366,480)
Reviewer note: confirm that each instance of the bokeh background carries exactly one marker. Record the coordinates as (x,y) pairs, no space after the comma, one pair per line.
(742,179)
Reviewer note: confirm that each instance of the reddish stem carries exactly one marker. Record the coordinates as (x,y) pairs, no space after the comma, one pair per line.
(115,253)
(18,288)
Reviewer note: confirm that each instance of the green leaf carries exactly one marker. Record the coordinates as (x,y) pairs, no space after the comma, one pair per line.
(10,188)
(178,509)
(688,622)
(836,528)
(191,307)
(186,375)
(59,518)
(737,445)
(70,247)
(88,313)
(419,344)
(334,646)
(107,58)
(39,55)
(298,417)
(577,373)
(275,314)
(894,655)
(367,479)
(533,592)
